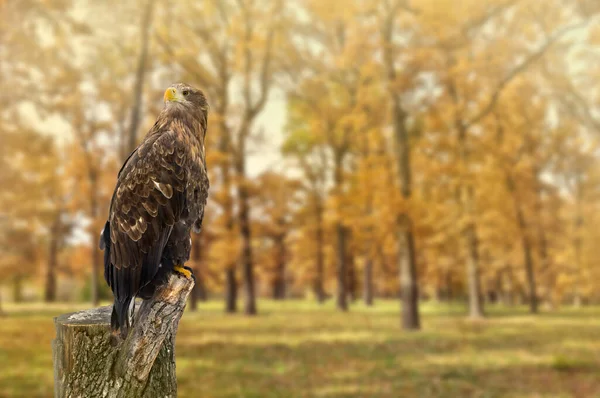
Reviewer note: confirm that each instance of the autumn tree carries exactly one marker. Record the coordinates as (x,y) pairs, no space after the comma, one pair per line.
(399,117)
(276,200)
(235,48)
(329,99)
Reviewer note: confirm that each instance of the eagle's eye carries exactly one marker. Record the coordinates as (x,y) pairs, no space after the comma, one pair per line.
(185,92)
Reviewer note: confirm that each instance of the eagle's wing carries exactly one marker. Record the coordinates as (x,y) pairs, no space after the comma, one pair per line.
(149,199)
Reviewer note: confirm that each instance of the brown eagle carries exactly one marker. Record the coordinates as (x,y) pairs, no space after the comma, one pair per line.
(160,196)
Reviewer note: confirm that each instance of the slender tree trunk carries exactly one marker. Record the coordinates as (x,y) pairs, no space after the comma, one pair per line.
(368,282)
(140,76)
(448,281)
(545,268)
(438,294)
(467,203)
(526,247)
(279,286)
(499,287)
(193,300)
(368,252)
(528,262)
(577,300)
(341,301)
(340,230)
(247,262)
(18,288)
(533,301)
(244,219)
(50,283)
(470,233)
(94,238)
(473,277)
(199,289)
(318,283)
(352,277)
(409,292)
(545,272)
(406,247)
(508,291)
(230,290)
(202,291)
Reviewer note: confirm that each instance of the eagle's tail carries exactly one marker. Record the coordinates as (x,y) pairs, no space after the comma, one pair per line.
(119,319)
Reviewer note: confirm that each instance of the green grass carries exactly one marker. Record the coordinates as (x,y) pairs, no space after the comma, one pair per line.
(297,349)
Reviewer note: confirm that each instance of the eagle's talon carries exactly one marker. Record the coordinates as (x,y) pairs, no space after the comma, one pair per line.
(184,271)
(191,272)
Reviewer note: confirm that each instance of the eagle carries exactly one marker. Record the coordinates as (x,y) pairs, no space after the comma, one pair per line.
(159,197)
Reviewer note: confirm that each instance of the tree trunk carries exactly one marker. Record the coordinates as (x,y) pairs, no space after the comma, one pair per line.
(526,247)
(341,302)
(545,269)
(279,285)
(406,248)
(352,277)
(318,283)
(368,282)
(94,238)
(50,283)
(409,291)
(577,300)
(341,269)
(136,110)
(194,298)
(244,218)
(18,288)
(199,290)
(473,277)
(406,245)
(470,232)
(89,361)
(533,301)
(508,287)
(230,291)
(448,282)
(467,203)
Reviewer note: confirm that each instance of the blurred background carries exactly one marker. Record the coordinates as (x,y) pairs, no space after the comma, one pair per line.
(375,167)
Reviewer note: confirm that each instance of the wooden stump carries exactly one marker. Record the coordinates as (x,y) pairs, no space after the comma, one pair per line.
(86,364)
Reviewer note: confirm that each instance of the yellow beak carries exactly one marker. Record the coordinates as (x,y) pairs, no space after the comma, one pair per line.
(170,94)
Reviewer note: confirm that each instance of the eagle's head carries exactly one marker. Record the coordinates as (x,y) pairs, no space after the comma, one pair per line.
(186,95)
(182,98)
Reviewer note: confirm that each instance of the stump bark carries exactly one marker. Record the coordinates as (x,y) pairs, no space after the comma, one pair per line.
(86,364)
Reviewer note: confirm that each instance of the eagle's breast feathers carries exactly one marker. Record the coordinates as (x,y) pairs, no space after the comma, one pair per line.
(163,182)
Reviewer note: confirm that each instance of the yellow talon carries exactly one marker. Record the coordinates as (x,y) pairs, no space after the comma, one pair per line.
(180,269)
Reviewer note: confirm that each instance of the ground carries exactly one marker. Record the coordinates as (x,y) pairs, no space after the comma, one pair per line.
(298,349)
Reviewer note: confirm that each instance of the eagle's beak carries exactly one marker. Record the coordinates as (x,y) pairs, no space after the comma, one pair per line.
(170,94)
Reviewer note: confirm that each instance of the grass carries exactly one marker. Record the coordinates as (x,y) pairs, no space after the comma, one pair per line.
(297,349)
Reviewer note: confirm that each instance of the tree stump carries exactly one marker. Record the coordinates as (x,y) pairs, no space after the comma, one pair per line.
(87,364)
